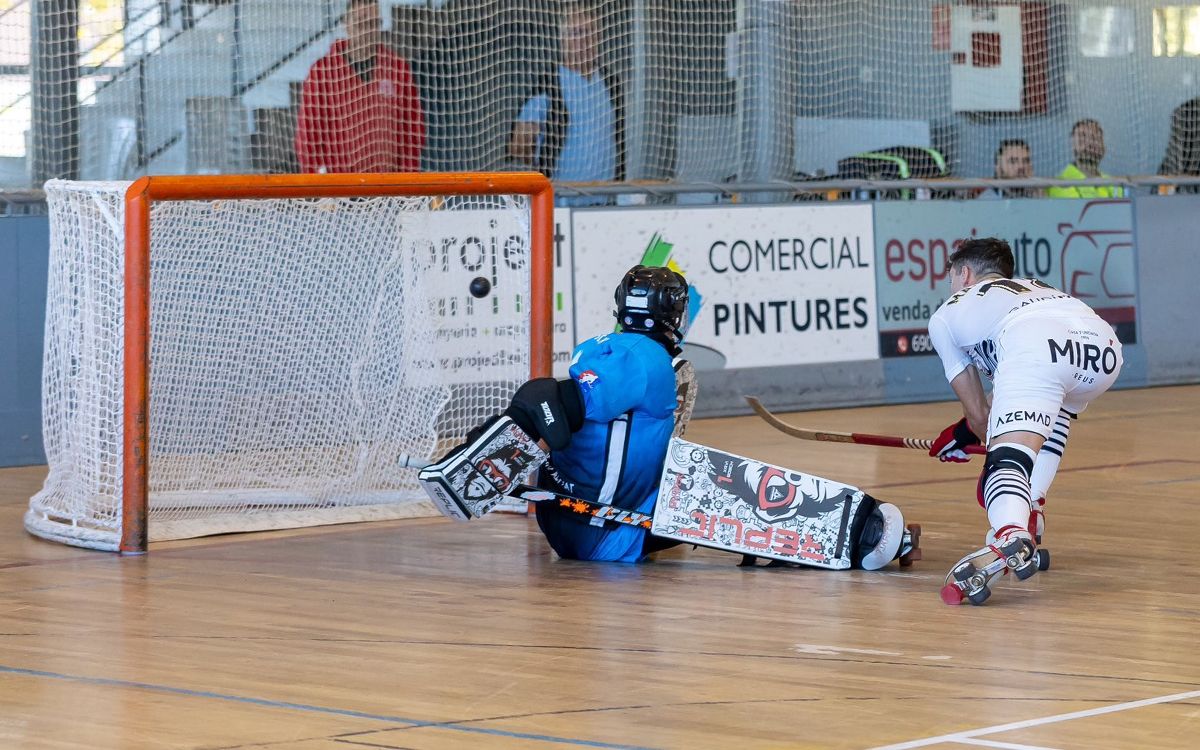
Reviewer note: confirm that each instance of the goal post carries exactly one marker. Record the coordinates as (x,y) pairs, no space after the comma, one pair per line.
(277,342)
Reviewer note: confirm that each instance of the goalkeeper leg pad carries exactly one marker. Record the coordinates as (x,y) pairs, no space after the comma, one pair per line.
(730,502)
(472,480)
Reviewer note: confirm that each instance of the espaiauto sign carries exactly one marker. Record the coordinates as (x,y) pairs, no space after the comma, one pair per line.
(1082,247)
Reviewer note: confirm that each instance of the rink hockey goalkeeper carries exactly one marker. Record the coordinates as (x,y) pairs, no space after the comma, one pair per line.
(618,483)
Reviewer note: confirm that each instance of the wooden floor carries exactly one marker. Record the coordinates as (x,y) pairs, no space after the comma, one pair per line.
(431,635)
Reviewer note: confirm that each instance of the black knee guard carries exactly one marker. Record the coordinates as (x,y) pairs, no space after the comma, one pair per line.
(1006,456)
(1003,456)
(548,409)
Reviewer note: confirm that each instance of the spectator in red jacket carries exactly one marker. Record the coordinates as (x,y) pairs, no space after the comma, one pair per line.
(359,109)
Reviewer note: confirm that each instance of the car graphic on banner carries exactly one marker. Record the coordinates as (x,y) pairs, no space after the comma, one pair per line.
(1084,247)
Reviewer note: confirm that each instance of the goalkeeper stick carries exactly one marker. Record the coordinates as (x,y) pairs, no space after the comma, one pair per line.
(859,438)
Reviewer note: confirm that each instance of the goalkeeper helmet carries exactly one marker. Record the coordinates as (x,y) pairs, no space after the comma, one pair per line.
(653,301)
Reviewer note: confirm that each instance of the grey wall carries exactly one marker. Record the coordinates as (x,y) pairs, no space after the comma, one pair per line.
(24,245)
(1167,233)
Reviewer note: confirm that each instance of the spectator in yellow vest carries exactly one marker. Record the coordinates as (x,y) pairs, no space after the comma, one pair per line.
(1087,144)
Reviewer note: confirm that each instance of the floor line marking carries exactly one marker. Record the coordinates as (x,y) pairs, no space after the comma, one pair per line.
(972,733)
(267,703)
(1000,745)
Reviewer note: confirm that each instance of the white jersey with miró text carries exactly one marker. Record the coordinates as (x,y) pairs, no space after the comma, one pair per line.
(967,328)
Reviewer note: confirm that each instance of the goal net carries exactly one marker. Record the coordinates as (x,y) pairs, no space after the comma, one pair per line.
(297,346)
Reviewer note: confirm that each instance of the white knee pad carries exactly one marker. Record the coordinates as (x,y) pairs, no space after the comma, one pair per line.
(890,525)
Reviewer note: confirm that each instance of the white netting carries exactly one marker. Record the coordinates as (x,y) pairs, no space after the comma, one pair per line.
(297,348)
(702,90)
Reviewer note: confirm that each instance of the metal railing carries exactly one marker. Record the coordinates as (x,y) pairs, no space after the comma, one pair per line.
(665,189)
(102,68)
(1148,182)
(327,26)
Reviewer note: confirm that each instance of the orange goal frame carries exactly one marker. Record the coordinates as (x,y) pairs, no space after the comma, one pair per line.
(142,193)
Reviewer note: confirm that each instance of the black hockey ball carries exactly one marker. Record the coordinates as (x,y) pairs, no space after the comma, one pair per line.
(480,287)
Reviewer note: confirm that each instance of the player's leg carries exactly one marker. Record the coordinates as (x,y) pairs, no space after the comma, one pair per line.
(1024,404)
(1051,454)
(1083,381)
(472,478)
(877,538)
(884,537)
(738,504)
(504,451)
(1046,467)
(1083,384)
(1005,483)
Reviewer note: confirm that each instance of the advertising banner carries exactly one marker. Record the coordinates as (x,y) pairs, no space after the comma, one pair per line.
(564,306)
(1084,248)
(771,285)
(473,338)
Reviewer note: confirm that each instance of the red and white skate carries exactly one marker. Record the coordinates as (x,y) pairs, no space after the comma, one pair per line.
(971,577)
(1037,527)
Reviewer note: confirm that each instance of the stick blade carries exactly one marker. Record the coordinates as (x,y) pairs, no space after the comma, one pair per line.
(797,432)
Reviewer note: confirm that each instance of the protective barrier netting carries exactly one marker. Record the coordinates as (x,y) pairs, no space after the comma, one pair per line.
(702,90)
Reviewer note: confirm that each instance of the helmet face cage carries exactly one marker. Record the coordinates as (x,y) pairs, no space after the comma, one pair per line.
(652,300)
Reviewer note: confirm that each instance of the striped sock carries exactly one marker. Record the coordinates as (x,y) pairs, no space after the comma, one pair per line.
(1051,455)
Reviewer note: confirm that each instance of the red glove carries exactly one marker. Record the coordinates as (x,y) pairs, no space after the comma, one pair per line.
(950,445)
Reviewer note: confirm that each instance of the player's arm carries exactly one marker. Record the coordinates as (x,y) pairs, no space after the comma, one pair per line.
(613,381)
(544,409)
(524,137)
(969,389)
(964,381)
(685,394)
(522,144)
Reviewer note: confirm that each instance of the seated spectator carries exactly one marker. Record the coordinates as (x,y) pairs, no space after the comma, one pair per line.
(359,108)
(572,132)
(1087,145)
(1014,161)
(1183,145)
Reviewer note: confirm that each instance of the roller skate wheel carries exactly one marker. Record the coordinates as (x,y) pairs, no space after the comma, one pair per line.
(912,538)
(1026,572)
(980,596)
(1043,559)
(952,594)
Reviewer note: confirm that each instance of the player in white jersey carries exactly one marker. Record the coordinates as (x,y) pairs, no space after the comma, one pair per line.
(1048,355)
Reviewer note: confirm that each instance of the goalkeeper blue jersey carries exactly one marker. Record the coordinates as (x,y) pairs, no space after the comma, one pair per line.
(628,385)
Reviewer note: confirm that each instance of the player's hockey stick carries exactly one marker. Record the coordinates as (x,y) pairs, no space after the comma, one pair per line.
(859,438)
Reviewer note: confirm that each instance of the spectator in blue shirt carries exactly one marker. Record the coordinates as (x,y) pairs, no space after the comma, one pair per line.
(572,130)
